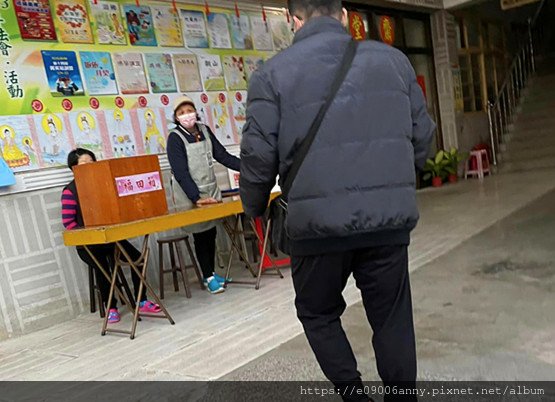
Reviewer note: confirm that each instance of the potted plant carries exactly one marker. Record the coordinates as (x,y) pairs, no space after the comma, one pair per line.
(454,158)
(435,169)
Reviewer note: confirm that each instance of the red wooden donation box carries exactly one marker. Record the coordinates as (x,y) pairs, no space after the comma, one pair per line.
(120,190)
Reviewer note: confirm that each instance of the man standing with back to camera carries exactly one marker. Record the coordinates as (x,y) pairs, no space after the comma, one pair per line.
(352,205)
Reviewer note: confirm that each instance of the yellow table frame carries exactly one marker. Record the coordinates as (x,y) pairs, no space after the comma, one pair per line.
(231,207)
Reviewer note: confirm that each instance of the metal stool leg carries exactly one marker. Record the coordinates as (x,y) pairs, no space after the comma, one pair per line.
(183,273)
(173,267)
(161,269)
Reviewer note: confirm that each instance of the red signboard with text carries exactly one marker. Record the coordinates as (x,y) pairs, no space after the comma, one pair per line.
(387,29)
(356,26)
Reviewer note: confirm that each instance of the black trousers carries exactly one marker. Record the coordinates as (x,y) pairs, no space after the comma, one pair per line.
(205,249)
(382,276)
(104,253)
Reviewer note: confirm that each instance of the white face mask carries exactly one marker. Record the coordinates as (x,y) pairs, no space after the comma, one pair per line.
(188,120)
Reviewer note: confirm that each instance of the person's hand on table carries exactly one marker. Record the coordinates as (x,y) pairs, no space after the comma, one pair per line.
(206,201)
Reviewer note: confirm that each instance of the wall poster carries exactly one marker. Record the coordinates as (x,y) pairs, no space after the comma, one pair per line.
(73,21)
(194,29)
(62,72)
(103,74)
(54,140)
(218,29)
(109,25)
(17,147)
(187,71)
(131,73)
(98,73)
(212,73)
(160,72)
(35,20)
(168,28)
(139,25)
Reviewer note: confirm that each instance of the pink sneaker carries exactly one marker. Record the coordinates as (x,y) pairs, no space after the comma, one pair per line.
(149,307)
(113,316)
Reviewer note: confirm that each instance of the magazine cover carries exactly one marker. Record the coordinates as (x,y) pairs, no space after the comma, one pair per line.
(98,73)
(130,73)
(212,73)
(234,70)
(109,25)
(187,71)
(160,72)
(241,32)
(261,35)
(139,25)
(194,29)
(218,29)
(281,33)
(168,28)
(62,73)
(73,21)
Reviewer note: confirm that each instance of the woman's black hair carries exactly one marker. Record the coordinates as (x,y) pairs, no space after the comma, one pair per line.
(73,156)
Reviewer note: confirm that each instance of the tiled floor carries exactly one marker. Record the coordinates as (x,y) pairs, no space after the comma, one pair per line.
(215,335)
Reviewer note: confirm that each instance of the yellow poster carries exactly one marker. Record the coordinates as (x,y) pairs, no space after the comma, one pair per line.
(168,28)
(72,20)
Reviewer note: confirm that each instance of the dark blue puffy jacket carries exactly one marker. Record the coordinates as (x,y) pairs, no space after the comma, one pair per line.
(356,187)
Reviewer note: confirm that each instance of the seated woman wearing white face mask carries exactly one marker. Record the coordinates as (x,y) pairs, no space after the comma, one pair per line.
(191,148)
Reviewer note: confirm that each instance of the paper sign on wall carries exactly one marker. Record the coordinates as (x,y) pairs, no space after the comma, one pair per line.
(109,25)
(62,72)
(35,20)
(73,21)
(138,184)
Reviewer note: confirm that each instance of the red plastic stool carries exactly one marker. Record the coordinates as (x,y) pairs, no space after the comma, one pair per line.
(477,164)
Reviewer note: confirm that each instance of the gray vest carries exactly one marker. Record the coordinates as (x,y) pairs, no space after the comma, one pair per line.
(201,167)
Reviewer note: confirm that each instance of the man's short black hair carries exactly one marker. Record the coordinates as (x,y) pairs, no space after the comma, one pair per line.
(309,8)
(73,156)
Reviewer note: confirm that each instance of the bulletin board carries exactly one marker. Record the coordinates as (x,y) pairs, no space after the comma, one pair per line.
(103,75)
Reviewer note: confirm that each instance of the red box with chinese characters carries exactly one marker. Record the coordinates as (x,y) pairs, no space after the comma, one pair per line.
(120,190)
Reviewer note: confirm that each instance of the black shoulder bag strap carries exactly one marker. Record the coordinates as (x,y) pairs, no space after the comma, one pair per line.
(300,155)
